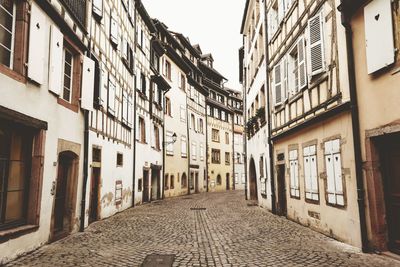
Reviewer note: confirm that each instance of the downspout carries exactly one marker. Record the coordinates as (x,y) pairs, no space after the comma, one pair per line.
(163,143)
(206,144)
(267,90)
(85,169)
(245,134)
(355,125)
(233,150)
(134,127)
(189,145)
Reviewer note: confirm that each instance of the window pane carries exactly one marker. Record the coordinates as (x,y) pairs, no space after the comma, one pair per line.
(5,56)
(5,37)
(14,208)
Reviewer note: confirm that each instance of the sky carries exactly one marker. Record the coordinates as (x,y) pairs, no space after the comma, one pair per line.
(214,24)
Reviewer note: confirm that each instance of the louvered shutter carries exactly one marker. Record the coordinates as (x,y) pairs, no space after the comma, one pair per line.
(281,10)
(56,60)
(330,173)
(285,73)
(114,28)
(87,90)
(103,86)
(111,95)
(98,8)
(278,84)
(37,44)
(316,45)
(302,63)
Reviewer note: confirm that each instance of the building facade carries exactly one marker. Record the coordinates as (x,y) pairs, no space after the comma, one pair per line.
(43,64)
(219,128)
(311,122)
(254,69)
(375,68)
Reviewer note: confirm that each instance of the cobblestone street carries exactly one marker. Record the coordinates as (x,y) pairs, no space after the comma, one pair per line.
(215,229)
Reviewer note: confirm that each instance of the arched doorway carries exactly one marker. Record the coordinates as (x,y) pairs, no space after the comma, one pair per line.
(65,195)
(253,180)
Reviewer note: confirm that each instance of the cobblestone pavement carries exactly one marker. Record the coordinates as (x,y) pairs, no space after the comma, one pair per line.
(227,233)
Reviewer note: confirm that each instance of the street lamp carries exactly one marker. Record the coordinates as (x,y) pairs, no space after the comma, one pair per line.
(174,138)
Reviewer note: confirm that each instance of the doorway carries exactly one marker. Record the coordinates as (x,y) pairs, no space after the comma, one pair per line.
(228,182)
(282,202)
(253,180)
(94,195)
(65,195)
(145,194)
(390,162)
(155,184)
(196,183)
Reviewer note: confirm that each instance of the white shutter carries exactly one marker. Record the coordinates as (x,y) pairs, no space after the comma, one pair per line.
(316,44)
(125,48)
(87,93)
(285,73)
(103,86)
(278,84)
(330,174)
(281,10)
(152,136)
(302,63)
(314,177)
(296,178)
(379,40)
(114,28)
(307,172)
(37,44)
(98,7)
(125,109)
(56,60)
(129,110)
(111,95)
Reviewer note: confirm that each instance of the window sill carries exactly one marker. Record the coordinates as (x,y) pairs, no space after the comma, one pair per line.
(12,74)
(17,232)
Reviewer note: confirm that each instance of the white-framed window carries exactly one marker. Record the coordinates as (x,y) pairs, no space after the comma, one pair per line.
(273,23)
(297,76)
(280,80)
(333,163)
(223,115)
(170,145)
(215,135)
(7,30)
(315,45)
(183,146)
(310,172)
(68,59)
(183,113)
(201,152)
(193,151)
(294,174)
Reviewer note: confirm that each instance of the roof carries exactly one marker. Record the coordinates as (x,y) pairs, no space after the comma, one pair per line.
(162,27)
(145,16)
(197,47)
(214,71)
(207,56)
(187,44)
(348,7)
(246,9)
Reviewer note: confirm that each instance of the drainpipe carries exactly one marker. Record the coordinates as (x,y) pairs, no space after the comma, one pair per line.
(245,134)
(163,144)
(134,129)
(355,125)
(85,169)
(206,116)
(189,145)
(233,150)
(269,110)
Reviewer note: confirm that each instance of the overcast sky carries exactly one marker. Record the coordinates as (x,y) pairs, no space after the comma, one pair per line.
(214,24)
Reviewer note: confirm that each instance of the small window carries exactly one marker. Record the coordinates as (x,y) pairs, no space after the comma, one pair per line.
(143,85)
(227,138)
(172,182)
(167,106)
(7,25)
(120,159)
(142,130)
(215,156)
(67,75)
(167,69)
(140,185)
(227,158)
(166,182)
(96,154)
(184,181)
(215,135)
(156,138)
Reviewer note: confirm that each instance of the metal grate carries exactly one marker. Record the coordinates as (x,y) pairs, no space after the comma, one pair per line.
(198,208)
(157,260)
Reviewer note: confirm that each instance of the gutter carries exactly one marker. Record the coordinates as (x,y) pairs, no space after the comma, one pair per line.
(355,125)
(267,89)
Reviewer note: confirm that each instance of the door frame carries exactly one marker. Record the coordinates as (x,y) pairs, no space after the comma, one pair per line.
(281,190)
(253,190)
(98,185)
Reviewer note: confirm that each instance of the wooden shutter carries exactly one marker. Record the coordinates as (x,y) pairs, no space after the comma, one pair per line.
(129,110)
(315,44)
(37,44)
(87,93)
(56,60)
(285,73)
(103,86)
(330,173)
(302,63)
(114,28)
(379,40)
(111,95)
(278,84)
(337,168)
(97,8)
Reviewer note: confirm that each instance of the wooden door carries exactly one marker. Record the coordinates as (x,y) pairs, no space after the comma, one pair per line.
(64,170)
(196,182)
(282,203)
(94,195)
(392,191)
(145,196)
(228,185)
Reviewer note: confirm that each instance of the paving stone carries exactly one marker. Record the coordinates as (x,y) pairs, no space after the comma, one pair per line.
(228,232)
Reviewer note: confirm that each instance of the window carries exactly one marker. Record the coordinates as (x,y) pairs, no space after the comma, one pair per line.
(143,85)
(167,106)
(182,81)
(215,135)
(227,138)
(316,52)
(194,151)
(227,158)
(172,182)
(96,154)
(236,178)
(193,122)
(294,174)
(167,69)
(120,159)
(111,95)
(67,75)
(183,113)
(7,25)
(201,152)
(170,145)
(140,185)
(156,138)
(219,180)
(262,174)
(184,181)
(142,131)
(333,163)
(310,173)
(243,178)
(183,147)
(15,159)
(215,156)
(223,115)
(201,126)
(98,8)
(114,28)
(297,74)
(166,182)
(279,82)
(273,20)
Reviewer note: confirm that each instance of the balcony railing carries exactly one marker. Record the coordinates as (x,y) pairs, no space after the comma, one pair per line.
(77,8)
